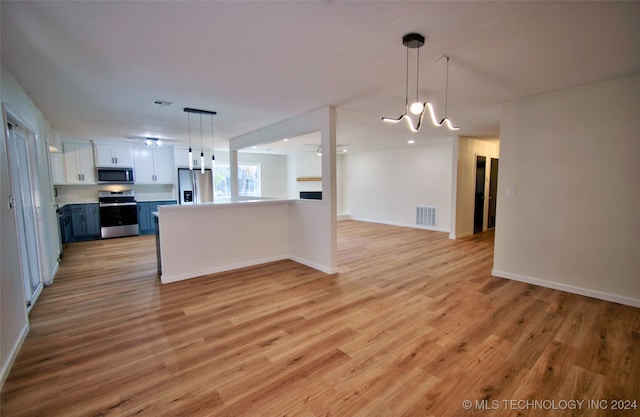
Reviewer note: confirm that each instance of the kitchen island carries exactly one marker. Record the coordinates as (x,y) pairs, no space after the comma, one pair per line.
(202,239)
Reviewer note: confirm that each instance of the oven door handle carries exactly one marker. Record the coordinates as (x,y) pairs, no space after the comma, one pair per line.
(117,204)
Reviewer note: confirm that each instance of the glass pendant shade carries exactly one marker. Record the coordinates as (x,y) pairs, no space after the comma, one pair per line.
(416,108)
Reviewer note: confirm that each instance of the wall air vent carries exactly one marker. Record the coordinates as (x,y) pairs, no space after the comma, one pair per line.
(426,216)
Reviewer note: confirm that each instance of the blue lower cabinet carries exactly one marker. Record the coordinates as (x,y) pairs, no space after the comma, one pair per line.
(65,224)
(145,214)
(144,218)
(92,214)
(85,222)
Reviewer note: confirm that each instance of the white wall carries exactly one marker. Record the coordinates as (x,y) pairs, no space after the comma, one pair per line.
(386,186)
(14,318)
(312,225)
(273,168)
(572,159)
(203,239)
(304,165)
(468,149)
(273,172)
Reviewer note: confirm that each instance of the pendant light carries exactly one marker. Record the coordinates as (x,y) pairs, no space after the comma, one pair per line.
(445,120)
(199,112)
(213,157)
(418,108)
(411,41)
(190,150)
(201,148)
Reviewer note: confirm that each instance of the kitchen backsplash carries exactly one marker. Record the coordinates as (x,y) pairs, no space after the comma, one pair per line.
(68,194)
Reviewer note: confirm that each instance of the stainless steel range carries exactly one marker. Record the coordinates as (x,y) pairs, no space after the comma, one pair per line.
(118,214)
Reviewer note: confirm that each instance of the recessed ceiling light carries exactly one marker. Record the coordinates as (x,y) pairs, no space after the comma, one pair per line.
(162,103)
(411,141)
(344,150)
(285,139)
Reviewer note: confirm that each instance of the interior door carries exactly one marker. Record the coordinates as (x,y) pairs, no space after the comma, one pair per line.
(478,212)
(25,212)
(493,193)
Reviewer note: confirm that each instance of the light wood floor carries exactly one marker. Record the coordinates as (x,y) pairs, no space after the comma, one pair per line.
(413,325)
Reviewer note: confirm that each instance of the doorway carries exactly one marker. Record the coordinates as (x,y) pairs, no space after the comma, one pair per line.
(24,208)
(493,193)
(478,211)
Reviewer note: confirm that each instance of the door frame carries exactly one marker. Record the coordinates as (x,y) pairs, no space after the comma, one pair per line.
(479,215)
(9,117)
(494,169)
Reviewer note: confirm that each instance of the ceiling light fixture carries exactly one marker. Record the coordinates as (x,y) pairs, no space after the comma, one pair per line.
(189,110)
(190,150)
(152,142)
(418,108)
(446,99)
(411,41)
(213,158)
(201,148)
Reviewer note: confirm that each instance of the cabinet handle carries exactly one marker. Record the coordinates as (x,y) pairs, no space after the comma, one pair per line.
(116,160)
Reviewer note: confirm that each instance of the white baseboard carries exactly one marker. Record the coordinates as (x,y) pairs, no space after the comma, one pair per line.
(412,226)
(620,299)
(6,367)
(342,217)
(321,268)
(460,236)
(165,279)
(53,274)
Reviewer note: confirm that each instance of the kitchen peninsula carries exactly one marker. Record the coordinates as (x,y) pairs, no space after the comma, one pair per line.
(202,239)
(197,240)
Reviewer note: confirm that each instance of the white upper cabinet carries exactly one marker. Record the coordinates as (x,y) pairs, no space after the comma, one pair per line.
(164,167)
(113,155)
(78,163)
(153,165)
(57,168)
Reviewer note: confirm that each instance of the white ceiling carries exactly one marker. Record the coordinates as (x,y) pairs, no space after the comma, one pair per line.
(94,68)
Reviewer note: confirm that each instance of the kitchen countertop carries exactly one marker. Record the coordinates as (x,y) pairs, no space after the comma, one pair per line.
(66,203)
(231,202)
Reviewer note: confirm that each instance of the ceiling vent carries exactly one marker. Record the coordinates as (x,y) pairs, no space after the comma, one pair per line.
(162,103)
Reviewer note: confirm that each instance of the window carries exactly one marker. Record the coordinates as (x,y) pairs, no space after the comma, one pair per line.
(248,180)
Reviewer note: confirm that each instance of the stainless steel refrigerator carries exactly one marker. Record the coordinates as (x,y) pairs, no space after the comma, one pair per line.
(195,187)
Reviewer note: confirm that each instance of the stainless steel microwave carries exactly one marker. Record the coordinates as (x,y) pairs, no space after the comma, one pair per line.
(115,175)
